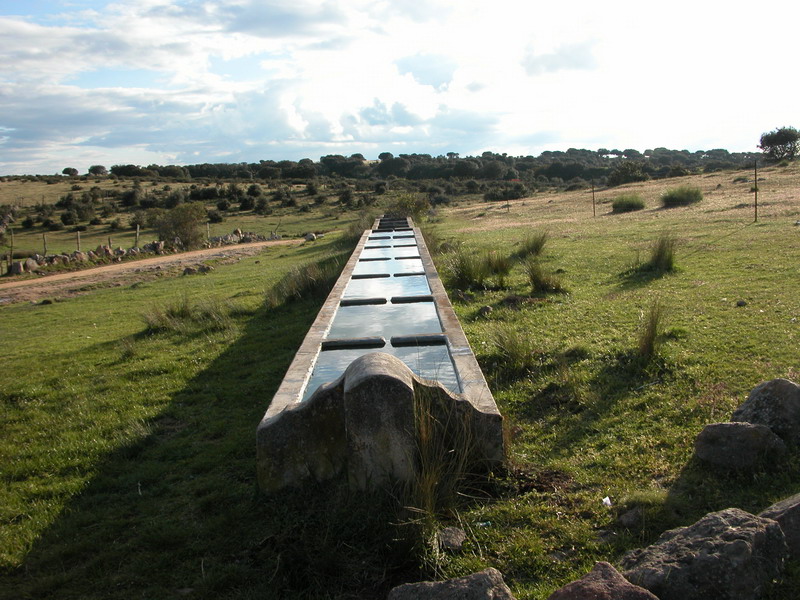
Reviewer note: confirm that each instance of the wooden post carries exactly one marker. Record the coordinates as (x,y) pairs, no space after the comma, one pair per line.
(109,241)
(11,253)
(78,233)
(755,178)
(136,244)
(44,239)
(208,231)
(594,206)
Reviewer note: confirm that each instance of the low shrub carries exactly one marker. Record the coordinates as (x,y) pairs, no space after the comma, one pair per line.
(681,196)
(627,203)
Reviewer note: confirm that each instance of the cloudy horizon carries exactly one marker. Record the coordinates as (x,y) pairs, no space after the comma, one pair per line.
(192,81)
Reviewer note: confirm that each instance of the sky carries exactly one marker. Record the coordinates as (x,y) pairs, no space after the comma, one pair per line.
(85,82)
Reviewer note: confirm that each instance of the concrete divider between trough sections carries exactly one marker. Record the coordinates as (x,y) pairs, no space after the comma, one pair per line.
(385,345)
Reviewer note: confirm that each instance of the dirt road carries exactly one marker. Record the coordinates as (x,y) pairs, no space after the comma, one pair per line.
(75,282)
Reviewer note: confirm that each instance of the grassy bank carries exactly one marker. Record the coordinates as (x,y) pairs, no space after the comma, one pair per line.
(128,457)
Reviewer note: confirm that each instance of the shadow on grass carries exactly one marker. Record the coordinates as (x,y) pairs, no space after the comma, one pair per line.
(637,277)
(700,489)
(178,514)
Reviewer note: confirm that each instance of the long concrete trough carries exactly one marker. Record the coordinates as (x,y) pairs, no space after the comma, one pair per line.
(385,343)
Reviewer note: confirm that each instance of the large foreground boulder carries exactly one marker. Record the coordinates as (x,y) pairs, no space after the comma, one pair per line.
(603,582)
(775,404)
(726,555)
(738,445)
(787,514)
(485,585)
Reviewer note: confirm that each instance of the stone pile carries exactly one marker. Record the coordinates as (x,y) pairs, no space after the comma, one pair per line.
(759,432)
(237,236)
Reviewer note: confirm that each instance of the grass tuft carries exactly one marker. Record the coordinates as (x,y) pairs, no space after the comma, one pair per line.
(533,244)
(541,281)
(499,266)
(312,280)
(627,203)
(182,316)
(467,269)
(681,196)
(662,254)
(649,327)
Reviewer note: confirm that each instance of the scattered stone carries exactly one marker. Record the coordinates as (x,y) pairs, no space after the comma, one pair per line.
(451,538)
(484,585)
(17,268)
(726,555)
(603,582)
(787,514)
(632,518)
(776,404)
(738,445)
(485,311)
(741,303)
(79,256)
(190,271)
(310,237)
(31,265)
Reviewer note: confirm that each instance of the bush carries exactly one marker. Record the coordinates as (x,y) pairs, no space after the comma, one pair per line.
(681,196)
(214,216)
(627,203)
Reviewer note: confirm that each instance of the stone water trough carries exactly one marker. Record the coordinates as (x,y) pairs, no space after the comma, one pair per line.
(384,379)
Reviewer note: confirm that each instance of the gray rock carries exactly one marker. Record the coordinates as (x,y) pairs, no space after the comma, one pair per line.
(726,555)
(310,237)
(79,256)
(17,268)
(451,538)
(603,582)
(632,518)
(738,445)
(787,514)
(31,265)
(484,585)
(485,311)
(776,404)
(190,271)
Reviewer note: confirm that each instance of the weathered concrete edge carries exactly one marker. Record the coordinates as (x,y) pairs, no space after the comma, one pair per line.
(473,384)
(291,388)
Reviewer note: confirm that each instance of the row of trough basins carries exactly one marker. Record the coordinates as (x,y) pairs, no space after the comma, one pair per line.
(387,306)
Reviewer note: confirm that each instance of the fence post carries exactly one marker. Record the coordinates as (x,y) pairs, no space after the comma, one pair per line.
(755,178)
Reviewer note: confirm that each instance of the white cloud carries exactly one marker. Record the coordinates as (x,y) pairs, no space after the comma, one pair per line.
(199,80)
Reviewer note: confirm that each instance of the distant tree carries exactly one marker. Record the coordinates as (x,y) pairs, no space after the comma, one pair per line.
(627,171)
(385,156)
(183,222)
(781,143)
(70,171)
(98,170)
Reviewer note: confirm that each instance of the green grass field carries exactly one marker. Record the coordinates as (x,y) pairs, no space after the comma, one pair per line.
(128,458)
